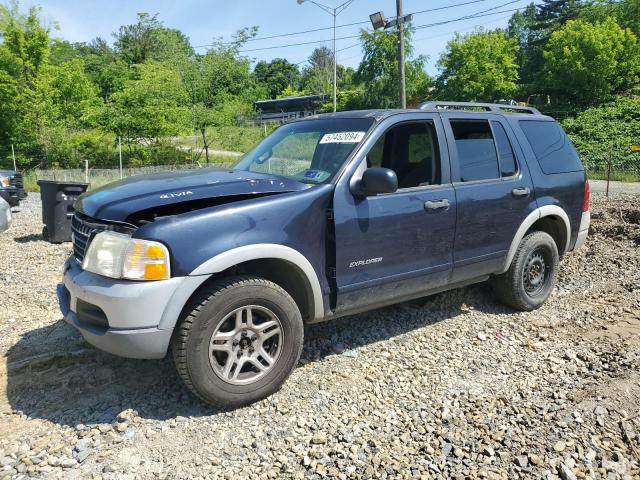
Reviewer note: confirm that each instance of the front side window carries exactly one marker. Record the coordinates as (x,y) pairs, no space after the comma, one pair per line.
(309,151)
(411,151)
(477,157)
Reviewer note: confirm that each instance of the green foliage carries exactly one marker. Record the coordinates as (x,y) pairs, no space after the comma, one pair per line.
(317,76)
(234,138)
(609,129)
(218,86)
(276,76)
(479,66)
(378,71)
(588,63)
(625,12)
(69,95)
(151,105)
(62,103)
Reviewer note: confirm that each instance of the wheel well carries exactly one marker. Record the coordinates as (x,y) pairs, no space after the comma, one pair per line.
(285,274)
(554,226)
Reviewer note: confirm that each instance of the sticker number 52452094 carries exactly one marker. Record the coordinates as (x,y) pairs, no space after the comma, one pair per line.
(342,137)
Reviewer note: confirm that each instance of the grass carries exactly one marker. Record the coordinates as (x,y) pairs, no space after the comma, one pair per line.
(616,175)
(100,177)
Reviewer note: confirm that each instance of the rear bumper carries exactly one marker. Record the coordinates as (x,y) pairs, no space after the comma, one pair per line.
(129,312)
(583,231)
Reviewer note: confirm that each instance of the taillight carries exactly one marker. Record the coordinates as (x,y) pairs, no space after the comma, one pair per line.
(587,196)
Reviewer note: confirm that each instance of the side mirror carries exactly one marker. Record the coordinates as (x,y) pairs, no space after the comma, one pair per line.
(377,180)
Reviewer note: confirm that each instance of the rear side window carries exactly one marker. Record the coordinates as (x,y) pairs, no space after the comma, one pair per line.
(477,157)
(508,165)
(551,146)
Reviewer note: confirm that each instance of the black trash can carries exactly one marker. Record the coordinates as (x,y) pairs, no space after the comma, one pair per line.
(57,208)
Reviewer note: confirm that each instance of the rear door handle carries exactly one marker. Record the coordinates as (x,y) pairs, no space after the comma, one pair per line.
(433,205)
(521,192)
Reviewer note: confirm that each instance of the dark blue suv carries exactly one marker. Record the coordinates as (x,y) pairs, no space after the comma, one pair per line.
(328,216)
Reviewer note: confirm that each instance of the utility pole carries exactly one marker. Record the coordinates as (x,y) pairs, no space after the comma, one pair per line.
(400,16)
(378,21)
(13,154)
(335,75)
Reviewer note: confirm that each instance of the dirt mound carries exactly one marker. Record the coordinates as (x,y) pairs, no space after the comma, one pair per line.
(619,222)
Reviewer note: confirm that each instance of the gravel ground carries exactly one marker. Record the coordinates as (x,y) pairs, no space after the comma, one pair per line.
(451,386)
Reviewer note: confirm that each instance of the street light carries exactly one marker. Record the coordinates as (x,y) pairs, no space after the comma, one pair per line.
(378,21)
(333,12)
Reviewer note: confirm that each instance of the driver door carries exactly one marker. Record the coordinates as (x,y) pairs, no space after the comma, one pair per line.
(395,246)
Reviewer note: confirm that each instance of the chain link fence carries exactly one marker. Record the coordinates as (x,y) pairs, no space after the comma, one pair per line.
(96,177)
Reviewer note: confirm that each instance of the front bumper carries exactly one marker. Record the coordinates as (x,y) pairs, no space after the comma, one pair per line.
(132,311)
(10,195)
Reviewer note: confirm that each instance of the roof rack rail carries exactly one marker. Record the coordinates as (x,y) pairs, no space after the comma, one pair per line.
(489,107)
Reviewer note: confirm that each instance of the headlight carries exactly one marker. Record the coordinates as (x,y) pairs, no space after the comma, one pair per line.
(117,255)
(5,181)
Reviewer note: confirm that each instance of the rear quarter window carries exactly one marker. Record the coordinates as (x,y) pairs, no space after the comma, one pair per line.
(553,149)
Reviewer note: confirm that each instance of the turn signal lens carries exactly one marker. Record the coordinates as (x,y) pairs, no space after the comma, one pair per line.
(146,260)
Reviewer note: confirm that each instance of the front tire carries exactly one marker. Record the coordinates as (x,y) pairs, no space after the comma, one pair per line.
(239,343)
(532,274)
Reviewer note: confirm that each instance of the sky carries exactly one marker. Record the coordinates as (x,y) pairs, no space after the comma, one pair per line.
(203,21)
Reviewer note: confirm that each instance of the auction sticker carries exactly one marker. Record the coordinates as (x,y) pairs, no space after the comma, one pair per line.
(342,137)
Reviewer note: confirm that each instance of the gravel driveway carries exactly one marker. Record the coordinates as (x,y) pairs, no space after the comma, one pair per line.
(450,386)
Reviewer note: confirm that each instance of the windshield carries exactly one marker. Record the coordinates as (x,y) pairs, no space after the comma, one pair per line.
(309,151)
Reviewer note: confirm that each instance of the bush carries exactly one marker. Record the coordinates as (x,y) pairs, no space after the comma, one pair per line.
(607,130)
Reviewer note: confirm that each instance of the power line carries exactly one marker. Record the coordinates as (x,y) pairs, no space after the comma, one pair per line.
(290,34)
(482,13)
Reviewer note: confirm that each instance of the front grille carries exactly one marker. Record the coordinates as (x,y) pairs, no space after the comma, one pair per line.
(84,228)
(82,232)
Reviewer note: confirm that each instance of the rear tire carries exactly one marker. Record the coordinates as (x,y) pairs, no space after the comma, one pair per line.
(532,274)
(239,342)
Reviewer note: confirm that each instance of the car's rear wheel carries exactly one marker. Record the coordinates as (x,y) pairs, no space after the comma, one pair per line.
(532,274)
(239,342)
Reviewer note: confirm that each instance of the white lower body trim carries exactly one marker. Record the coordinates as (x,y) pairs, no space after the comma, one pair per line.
(583,231)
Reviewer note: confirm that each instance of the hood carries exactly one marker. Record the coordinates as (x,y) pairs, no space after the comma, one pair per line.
(165,192)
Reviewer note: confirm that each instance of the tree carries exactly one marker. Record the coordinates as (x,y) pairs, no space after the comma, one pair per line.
(276,75)
(625,12)
(105,68)
(8,107)
(588,63)
(317,76)
(378,71)
(148,39)
(479,66)
(529,53)
(26,49)
(215,79)
(23,56)
(532,28)
(151,105)
(69,94)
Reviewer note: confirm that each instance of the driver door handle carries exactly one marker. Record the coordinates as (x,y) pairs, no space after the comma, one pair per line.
(435,205)
(521,192)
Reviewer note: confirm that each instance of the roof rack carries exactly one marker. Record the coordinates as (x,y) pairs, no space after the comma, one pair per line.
(489,107)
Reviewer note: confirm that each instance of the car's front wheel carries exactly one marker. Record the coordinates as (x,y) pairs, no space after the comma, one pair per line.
(239,342)
(532,274)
